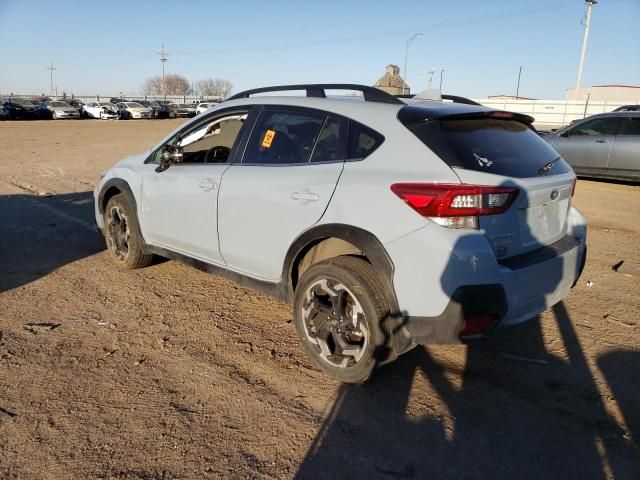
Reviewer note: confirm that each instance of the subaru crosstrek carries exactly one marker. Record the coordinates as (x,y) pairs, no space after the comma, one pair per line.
(387,224)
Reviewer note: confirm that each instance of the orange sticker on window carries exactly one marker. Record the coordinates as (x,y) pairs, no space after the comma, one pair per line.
(269,135)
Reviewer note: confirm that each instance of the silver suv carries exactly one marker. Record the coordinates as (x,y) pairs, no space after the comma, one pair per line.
(385,224)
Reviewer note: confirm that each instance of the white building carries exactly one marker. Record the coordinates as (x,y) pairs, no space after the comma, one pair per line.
(606,93)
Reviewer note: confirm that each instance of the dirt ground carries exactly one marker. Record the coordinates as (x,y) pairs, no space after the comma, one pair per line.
(167,372)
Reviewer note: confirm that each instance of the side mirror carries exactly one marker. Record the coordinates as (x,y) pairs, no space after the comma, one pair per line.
(171,154)
(564,134)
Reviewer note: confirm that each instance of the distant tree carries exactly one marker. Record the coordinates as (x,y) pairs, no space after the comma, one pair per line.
(214,87)
(173,83)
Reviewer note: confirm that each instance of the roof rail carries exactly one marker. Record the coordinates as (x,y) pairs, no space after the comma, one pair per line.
(317,90)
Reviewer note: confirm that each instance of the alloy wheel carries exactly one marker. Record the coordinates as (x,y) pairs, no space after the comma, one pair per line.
(334,323)
(118,233)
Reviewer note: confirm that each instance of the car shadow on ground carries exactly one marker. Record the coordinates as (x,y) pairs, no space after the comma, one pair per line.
(42,233)
(515,410)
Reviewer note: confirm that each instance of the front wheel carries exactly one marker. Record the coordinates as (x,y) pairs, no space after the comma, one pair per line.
(122,233)
(54,116)
(342,318)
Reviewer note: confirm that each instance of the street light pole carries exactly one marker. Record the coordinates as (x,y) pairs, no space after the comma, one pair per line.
(518,86)
(406,60)
(585,40)
(441,72)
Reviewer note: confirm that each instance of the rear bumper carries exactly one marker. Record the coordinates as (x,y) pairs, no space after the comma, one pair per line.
(443,275)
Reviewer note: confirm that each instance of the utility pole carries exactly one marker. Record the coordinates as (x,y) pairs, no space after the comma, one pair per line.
(585,40)
(163,59)
(441,72)
(406,60)
(518,86)
(51,68)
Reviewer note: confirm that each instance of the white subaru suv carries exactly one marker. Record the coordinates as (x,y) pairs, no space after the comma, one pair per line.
(387,224)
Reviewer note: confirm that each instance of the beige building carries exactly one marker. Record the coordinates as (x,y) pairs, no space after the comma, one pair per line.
(391,82)
(606,93)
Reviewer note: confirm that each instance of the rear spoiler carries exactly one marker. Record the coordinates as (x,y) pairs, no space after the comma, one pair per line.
(495,114)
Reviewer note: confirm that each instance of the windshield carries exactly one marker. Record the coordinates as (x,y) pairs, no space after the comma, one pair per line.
(21,101)
(502,147)
(59,104)
(133,105)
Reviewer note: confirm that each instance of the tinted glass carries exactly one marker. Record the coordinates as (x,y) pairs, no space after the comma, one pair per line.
(597,127)
(630,126)
(362,141)
(501,147)
(283,136)
(329,147)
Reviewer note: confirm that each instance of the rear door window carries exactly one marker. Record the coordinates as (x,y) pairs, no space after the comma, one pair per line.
(498,146)
(283,136)
(330,145)
(630,126)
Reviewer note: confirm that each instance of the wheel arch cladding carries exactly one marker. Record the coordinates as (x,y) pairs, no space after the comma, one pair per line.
(331,240)
(114,187)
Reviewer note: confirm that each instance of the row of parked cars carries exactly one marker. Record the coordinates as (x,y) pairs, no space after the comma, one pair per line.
(114,109)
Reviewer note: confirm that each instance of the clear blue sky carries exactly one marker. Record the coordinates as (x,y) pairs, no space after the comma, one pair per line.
(107,47)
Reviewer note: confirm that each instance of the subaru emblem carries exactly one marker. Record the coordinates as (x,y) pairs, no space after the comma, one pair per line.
(554,194)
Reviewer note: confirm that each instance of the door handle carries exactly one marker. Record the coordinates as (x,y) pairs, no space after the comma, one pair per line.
(602,140)
(207,185)
(305,196)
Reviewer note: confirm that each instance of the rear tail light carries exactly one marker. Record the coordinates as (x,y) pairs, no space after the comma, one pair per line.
(455,206)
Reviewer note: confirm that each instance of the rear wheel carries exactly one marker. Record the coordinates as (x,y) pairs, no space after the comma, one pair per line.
(342,318)
(54,116)
(122,233)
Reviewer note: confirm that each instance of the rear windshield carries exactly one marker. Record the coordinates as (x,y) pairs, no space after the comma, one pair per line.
(502,147)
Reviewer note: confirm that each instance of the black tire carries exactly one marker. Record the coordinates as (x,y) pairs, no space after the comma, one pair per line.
(361,324)
(54,116)
(122,234)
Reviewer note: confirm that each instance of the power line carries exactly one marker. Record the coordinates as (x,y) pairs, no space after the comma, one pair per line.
(397,33)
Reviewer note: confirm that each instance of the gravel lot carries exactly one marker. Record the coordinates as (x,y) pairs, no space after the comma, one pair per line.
(167,372)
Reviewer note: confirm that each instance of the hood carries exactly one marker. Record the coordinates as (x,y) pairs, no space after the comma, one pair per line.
(133,162)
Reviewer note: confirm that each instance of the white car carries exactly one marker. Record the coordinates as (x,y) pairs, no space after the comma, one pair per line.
(131,110)
(203,107)
(100,109)
(385,224)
